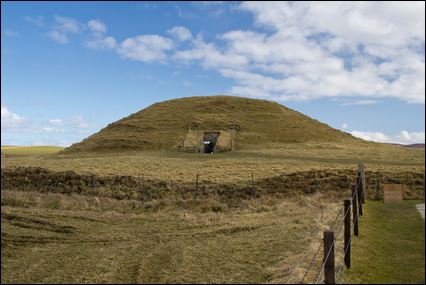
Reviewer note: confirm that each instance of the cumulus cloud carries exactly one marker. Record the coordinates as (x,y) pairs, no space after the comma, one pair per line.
(146,48)
(67,25)
(38,21)
(296,51)
(404,137)
(107,43)
(62,28)
(361,102)
(97,26)
(10,120)
(411,137)
(323,50)
(56,122)
(98,41)
(210,56)
(58,37)
(32,132)
(49,130)
(180,33)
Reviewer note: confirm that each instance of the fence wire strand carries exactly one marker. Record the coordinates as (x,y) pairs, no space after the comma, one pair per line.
(340,266)
(337,234)
(350,241)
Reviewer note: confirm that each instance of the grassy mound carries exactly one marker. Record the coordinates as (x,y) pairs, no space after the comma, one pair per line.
(255,123)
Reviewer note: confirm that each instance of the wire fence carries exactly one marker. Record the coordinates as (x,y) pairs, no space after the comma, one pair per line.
(339,244)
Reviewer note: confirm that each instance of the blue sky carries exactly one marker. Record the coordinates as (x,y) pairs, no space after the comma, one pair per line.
(70,68)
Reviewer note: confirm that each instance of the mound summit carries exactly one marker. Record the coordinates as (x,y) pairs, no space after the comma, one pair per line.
(209,124)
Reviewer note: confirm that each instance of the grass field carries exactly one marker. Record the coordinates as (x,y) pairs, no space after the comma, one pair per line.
(67,238)
(30,150)
(232,166)
(390,247)
(48,238)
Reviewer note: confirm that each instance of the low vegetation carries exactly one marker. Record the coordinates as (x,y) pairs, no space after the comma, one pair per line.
(232,167)
(390,247)
(48,238)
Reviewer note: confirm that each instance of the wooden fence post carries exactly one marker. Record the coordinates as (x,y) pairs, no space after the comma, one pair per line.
(359,193)
(377,186)
(347,245)
(329,277)
(253,191)
(142,183)
(361,169)
(355,208)
(93,184)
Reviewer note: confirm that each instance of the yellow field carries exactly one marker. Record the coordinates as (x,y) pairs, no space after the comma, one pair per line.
(30,150)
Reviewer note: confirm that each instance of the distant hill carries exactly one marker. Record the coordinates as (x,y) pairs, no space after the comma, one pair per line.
(415,145)
(247,122)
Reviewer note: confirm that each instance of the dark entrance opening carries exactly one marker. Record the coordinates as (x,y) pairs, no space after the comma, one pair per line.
(209,142)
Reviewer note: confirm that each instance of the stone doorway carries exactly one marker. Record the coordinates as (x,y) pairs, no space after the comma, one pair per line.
(209,142)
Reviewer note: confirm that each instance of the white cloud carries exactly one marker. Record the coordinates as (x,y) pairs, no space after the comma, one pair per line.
(361,102)
(10,120)
(389,23)
(58,37)
(97,26)
(67,25)
(323,50)
(210,56)
(56,122)
(180,33)
(38,21)
(106,43)
(411,137)
(344,126)
(49,130)
(404,137)
(98,41)
(63,27)
(309,50)
(371,136)
(146,48)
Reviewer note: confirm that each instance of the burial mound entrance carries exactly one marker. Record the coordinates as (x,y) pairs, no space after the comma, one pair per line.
(209,142)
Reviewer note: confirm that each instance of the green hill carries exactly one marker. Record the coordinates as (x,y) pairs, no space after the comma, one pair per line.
(250,123)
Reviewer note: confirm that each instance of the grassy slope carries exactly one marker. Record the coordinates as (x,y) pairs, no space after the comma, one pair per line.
(48,238)
(391,246)
(164,125)
(31,150)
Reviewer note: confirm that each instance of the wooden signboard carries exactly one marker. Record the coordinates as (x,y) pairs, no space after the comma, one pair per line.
(392,192)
